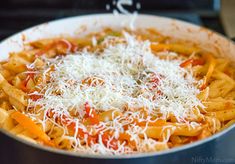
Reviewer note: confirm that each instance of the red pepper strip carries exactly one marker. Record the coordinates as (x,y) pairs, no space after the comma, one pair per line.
(198,62)
(33,128)
(194,62)
(186,63)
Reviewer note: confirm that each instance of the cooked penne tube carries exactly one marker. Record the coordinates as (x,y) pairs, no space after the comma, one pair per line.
(205,133)
(204,94)
(41,43)
(211,67)
(222,64)
(230,123)
(219,88)
(177,129)
(12,91)
(176,139)
(159,146)
(219,104)
(179,48)
(8,124)
(6,105)
(18,129)
(186,130)
(223,76)
(3,116)
(224,115)
(16,104)
(16,64)
(214,124)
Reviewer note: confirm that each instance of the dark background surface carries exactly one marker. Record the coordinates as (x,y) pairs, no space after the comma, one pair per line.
(100,4)
(16,15)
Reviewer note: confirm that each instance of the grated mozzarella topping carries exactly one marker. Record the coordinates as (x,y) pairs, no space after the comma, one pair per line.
(126,77)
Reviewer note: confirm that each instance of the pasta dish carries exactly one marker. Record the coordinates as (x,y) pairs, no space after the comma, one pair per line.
(116,92)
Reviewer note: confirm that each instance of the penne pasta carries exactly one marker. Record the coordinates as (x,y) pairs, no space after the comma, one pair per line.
(219,103)
(3,116)
(179,48)
(16,104)
(224,115)
(116,92)
(179,130)
(13,92)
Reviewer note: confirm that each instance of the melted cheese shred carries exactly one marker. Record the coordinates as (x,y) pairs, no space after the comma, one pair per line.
(125,77)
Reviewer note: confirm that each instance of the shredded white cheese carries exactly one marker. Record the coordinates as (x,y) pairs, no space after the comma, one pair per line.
(126,77)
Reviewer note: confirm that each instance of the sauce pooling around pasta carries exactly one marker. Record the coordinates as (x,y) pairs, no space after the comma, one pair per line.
(116,92)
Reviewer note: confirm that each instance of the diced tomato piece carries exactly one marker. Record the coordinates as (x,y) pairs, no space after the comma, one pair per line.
(35,97)
(81,133)
(203,87)
(113,143)
(92,139)
(87,109)
(126,137)
(50,113)
(91,115)
(198,62)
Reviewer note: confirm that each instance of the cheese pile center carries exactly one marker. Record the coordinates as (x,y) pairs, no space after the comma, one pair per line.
(125,77)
